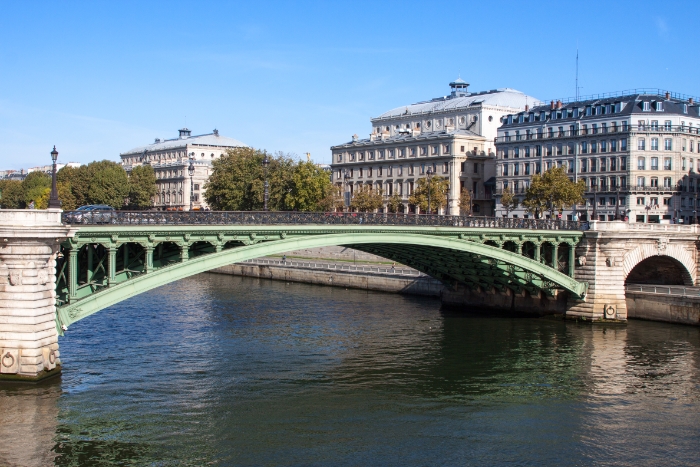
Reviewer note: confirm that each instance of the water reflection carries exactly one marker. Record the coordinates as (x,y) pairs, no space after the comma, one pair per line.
(238,371)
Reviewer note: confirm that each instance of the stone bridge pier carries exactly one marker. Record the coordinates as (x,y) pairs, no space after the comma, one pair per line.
(610,252)
(29,243)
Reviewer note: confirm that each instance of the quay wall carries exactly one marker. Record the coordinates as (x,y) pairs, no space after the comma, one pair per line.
(668,308)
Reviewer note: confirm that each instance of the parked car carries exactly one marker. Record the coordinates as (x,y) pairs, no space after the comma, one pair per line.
(92,214)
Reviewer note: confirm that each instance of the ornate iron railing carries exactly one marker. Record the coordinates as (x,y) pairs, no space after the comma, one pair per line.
(318,218)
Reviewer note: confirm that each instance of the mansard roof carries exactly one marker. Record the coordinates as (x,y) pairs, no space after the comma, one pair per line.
(502,97)
(209,139)
(424,136)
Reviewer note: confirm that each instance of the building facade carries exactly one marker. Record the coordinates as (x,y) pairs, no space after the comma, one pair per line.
(170,160)
(452,135)
(637,153)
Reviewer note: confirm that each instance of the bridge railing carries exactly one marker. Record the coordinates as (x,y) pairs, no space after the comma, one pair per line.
(318,218)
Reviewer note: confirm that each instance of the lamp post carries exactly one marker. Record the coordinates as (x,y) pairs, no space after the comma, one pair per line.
(617,204)
(429,173)
(54,202)
(266,196)
(346,193)
(595,202)
(190,170)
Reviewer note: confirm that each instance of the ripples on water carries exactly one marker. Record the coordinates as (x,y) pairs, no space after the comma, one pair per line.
(220,370)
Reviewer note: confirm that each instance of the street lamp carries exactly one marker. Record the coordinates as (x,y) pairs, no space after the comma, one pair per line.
(346,193)
(617,205)
(595,202)
(190,170)
(54,202)
(429,173)
(266,198)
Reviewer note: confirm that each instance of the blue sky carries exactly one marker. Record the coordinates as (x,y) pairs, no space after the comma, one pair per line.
(98,78)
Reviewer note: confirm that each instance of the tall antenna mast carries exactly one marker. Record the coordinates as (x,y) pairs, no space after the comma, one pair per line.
(577,72)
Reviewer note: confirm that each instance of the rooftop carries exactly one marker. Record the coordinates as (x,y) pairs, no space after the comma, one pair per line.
(459,98)
(209,139)
(409,137)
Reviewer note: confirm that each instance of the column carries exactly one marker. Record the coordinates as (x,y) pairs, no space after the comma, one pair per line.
(555,256)
(112,264)
(538,250)
(572,259)
(90,257)
(72,274)
(184,252)
(519,248)
(148,267)
(29,243)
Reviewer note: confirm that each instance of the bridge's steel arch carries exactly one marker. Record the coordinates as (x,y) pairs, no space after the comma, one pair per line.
(428,252)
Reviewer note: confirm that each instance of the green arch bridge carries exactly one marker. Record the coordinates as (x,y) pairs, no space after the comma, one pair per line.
(116,255)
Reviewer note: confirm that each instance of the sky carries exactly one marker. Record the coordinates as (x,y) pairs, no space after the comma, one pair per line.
(98,78)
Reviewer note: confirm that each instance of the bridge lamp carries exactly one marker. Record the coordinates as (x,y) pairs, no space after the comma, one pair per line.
(266,198)
(429,173)
(54,202)
(190,170)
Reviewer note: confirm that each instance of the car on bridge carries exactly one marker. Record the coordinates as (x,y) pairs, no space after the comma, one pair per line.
(91,214)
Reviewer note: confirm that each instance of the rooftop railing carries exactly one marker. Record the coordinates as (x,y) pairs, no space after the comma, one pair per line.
(635,129)
(627,92)
(257,218)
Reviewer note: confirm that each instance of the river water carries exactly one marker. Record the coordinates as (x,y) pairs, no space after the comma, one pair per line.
(222,370)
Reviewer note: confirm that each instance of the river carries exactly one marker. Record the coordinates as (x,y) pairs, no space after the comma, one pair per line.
(221,370)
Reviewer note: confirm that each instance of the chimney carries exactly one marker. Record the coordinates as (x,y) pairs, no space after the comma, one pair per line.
(551,105)
(668,95)
(690,101)
(216,132)
(157,140)
(354,138)
(558,104)
(527,108)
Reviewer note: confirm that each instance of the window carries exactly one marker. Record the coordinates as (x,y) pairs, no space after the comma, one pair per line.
(593,165)
(654,182)
(435,149)
(570,148)
(683,144)
(410,169)
(667,125)
(369,172)
(476,167)
(641,144)
(527,151)
(516,169)
(613,163)
(446,149)
(641,125)
(538,167)
(505,170)
(445,168)
(646,106)
(640,201)
(683,164)
(516,152)
(640,181)
(402,152)
(623,145)
(667,182)
(668,145)
(659,106)
(584,147)
(595,128)
(613,145)
(412,151)
(196,186)
(461,149)
(603,164)
(654,201)
(527,169)
(584,165)
(360,172)
(391,153)
(667,201)
(654,125)
(559,149)
(655,144)
(549,149)
(381,154)
(641,163)
(654,163)
(603,146)
(340,158)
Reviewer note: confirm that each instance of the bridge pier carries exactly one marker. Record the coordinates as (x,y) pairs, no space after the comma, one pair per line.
(29,244)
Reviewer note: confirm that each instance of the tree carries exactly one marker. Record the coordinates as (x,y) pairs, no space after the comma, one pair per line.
(366,199)
(310,186)
(509,201)
(465,202)
(395,203)
(34,185)
(109,184)
(142,186)
(333,201)
(437,187)
(12,194)
(553,191)
(78,178)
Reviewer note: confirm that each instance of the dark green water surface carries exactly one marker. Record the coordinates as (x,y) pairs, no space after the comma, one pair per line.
(220,370)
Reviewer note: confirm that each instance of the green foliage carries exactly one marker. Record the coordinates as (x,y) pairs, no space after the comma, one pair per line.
(142,186)
(34,186)
(12,194)
(437,187)
(465,202)
(509,201)
(333,201)
(553,191)
(310,186)
(109,184)
(366,199)
(237,182)
(395,203)
(78,178)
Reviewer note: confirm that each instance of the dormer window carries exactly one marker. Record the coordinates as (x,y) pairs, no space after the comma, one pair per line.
(510,119)
(659,106)
(646,106)
(589,111)
(618,107)
(543,116)
(608,109)
(521,118)
(576,112)
(597,110)
(685,108)
(532,117)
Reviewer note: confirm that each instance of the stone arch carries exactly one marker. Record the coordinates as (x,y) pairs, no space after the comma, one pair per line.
(649,250)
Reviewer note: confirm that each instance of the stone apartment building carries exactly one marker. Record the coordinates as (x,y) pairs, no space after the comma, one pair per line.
(170,159)
(637,153)
(453,135)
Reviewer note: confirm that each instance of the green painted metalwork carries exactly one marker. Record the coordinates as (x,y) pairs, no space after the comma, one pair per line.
(108,264)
